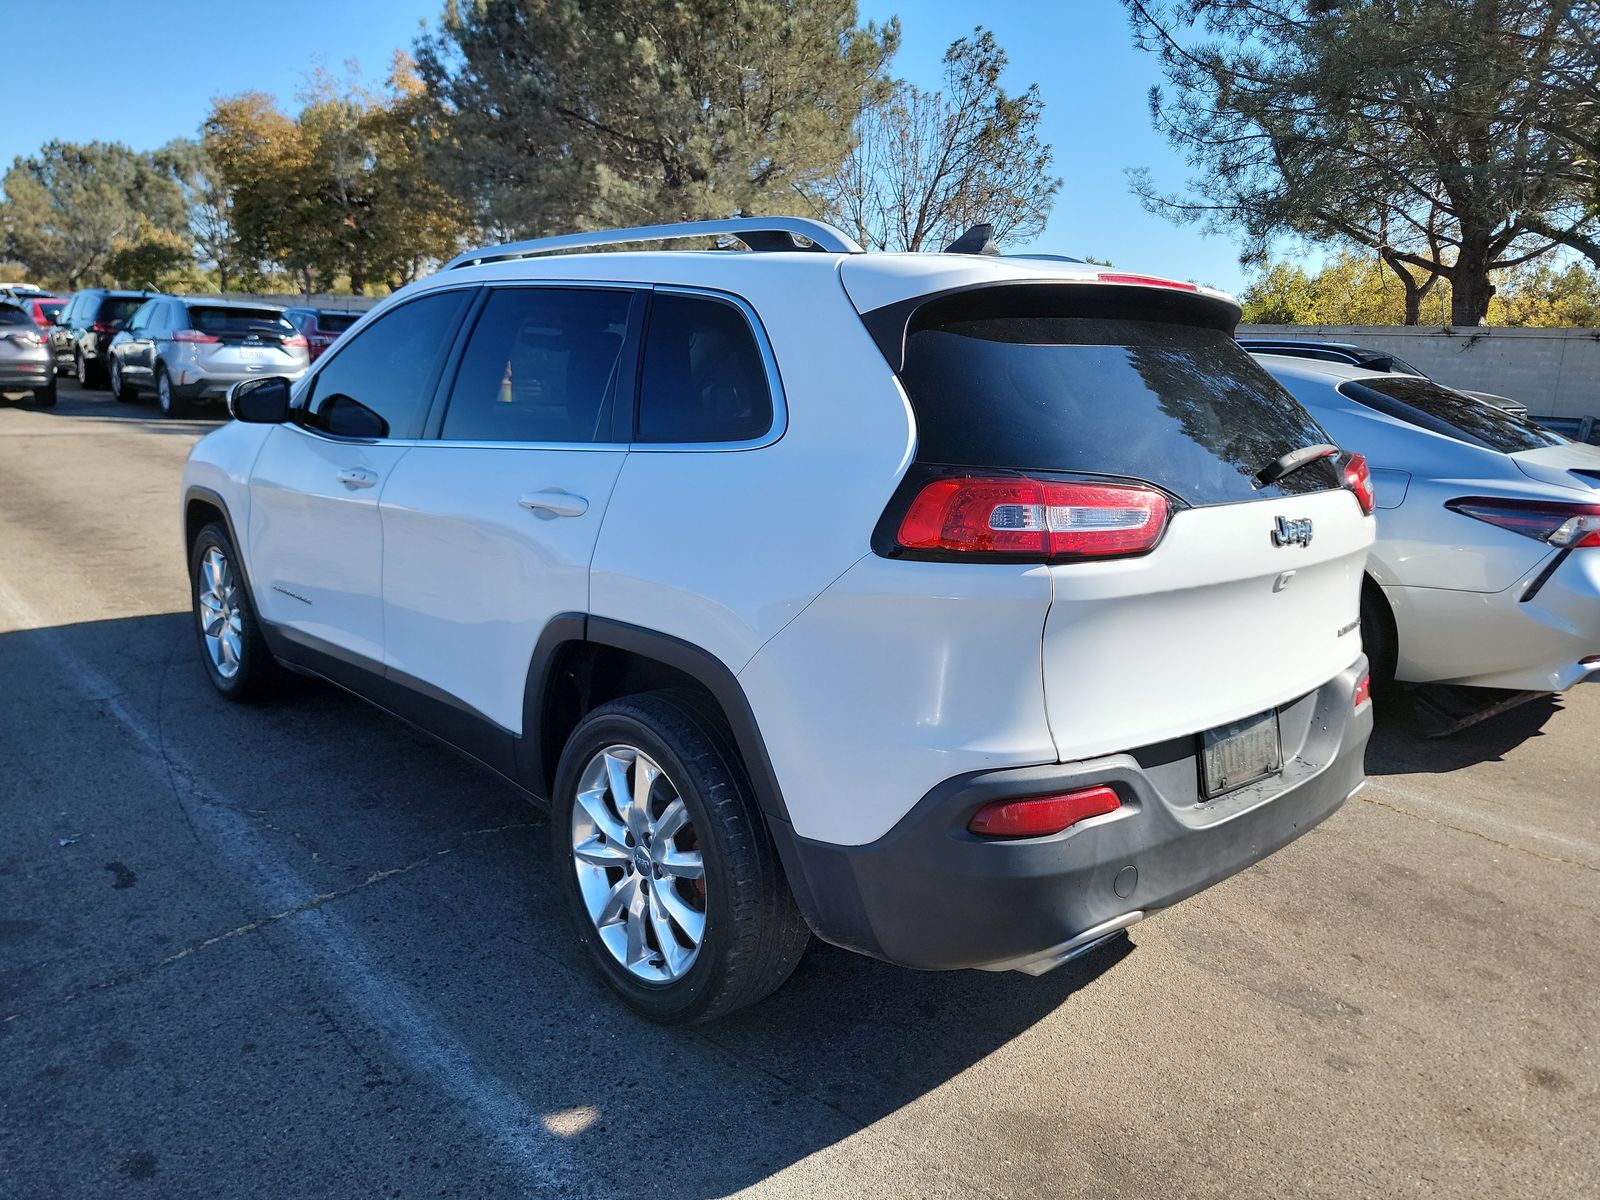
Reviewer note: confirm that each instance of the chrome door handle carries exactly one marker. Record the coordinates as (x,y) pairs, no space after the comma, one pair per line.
(357,477)
(556,504)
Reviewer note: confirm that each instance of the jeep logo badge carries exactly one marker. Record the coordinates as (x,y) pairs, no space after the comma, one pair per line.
(1295,532)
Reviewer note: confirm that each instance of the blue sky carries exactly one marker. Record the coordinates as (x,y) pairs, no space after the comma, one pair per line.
(1093,82)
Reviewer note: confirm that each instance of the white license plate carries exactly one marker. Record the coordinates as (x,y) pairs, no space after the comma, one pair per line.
(1241,752)
(255,354)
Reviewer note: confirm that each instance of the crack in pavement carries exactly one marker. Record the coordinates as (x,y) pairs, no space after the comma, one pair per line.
(315,901)
(1366,794)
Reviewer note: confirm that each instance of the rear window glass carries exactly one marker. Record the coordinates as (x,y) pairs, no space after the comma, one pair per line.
(1177,405)
(118,308)
(51,311)
(241,321)
(336,322)
(10,314)
(1433,407)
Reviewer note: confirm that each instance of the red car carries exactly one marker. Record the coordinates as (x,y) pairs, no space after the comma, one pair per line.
(43,309)
(322,326)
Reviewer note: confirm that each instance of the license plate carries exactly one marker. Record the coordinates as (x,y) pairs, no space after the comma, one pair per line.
(253,354)
(1240,753)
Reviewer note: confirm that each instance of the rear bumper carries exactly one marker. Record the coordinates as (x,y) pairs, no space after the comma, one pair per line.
(931,895)
(18,376)
(1533,636)
(193,384)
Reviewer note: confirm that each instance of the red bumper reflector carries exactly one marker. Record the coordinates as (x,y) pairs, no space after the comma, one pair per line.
(1363,690)
(1039,816)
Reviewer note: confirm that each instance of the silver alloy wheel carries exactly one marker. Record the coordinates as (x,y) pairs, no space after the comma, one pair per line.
(639,865)
(82,365)
(116,379)
(220,621)
(164,391)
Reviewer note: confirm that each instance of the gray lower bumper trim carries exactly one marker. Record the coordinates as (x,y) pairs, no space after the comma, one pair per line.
(1049,960)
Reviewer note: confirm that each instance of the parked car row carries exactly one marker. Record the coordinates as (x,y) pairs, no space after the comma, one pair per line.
(180,350)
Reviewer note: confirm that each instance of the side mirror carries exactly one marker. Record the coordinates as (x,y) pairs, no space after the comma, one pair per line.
(263,401)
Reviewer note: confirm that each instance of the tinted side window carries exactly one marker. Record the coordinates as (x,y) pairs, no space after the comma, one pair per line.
(379,384)
(703,377)
(143,319)
(541,366)
(1429,406)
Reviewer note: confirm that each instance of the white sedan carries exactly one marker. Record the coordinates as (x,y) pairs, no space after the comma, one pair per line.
(1486,571)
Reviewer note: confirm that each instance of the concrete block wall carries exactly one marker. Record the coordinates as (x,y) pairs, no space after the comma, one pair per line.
(1555,372)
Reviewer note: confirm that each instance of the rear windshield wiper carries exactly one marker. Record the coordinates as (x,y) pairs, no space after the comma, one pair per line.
(1293,461)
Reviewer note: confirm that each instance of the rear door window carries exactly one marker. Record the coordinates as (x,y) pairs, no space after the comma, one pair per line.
(1431,406)
(336,322)
(1181,406)
(10,314)
(541,365)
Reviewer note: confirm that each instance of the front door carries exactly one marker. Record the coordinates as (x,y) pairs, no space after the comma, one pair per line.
(316,542)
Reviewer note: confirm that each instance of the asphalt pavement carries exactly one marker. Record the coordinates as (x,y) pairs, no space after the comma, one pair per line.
(302,950)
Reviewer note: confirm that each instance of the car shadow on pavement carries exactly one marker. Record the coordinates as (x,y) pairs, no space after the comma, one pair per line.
(338,790)
(1408,720)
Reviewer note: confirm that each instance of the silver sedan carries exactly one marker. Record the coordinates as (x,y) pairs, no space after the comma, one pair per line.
(1486,571)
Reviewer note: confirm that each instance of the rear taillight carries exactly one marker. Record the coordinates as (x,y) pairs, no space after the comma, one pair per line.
(1033,518)
(1040,816)
(1148,281)
(192,335)
(1358,479)
(103,327)
(295,340)
(1554,522)
(1363,689)
(26,337)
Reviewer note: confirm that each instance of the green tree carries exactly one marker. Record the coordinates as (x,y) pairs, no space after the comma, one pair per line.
(1446,136)
(1351,289)
(71,207)
(926,166)
(341,191)
(1545,295)
(570,114)
(206,201)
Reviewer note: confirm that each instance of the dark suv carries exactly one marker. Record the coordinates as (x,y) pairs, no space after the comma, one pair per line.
(84,330)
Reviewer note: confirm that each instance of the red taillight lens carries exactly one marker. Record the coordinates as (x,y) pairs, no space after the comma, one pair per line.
(1032,518)
(1358,478)
(295,340)
(1148,281)
(103,327)
(1040,816)
(1559,524)
(1363,690)
(192,335)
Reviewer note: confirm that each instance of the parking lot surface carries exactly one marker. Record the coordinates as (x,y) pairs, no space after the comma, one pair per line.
(301,950)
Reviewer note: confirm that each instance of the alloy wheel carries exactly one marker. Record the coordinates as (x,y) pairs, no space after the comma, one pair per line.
(639,865)
(164,392)
(217,593)
(82,369)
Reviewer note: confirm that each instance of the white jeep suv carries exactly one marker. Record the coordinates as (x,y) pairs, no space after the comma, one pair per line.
(957,608)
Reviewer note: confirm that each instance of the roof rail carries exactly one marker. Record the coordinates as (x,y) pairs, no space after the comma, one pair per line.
(759,233)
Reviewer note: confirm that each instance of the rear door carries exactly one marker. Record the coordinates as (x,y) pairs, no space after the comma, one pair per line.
(1231,613)
(489,527)
(316,542)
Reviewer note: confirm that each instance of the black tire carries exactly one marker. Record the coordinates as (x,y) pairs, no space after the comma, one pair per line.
(754,934)
(1379,638)
(166,399)
(119,384)
(45,397)
(88,374)
(259,675)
